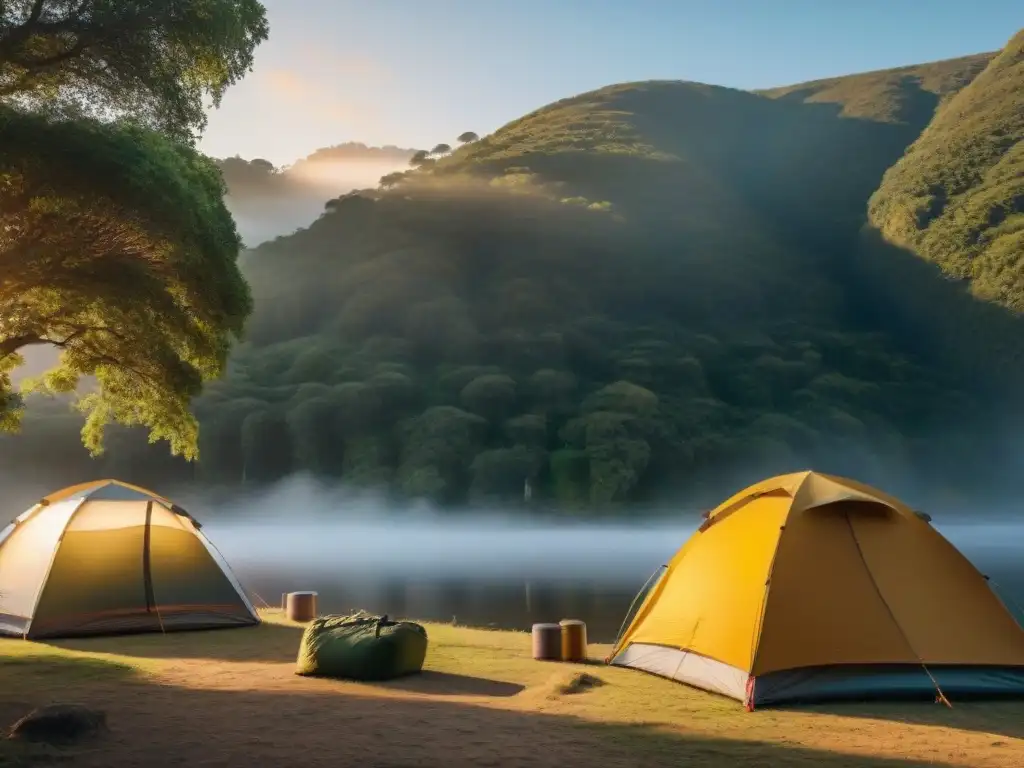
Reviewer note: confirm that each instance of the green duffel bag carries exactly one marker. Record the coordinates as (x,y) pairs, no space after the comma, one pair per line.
(361,647)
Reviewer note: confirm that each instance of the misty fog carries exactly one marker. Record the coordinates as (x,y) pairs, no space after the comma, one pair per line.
(484,566)
(347,534)
(262,217)
(337,529)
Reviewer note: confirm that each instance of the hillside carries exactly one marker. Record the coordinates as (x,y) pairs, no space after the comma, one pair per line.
(908,95)
(784,152)
(956,197)
(644,291)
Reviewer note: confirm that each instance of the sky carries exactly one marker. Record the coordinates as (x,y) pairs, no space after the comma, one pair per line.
(415,73)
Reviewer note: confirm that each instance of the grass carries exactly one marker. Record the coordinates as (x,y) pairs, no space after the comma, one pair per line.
(614,120)
(230,697)
(900,95)
(957,196)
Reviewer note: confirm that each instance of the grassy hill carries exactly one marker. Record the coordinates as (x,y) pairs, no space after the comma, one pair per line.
(648,290)
(956,197)
(908,95)
(807,157)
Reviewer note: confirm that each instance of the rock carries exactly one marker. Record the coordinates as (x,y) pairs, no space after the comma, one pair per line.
(579,682)
(60,724)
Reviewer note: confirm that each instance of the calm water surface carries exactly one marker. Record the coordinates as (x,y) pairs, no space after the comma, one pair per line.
(505,574)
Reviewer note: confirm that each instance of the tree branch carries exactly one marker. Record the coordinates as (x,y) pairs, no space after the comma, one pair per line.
(16,37)
(11,345)
(35,66)
(36,12)
(69,338)
(81,330)
(19,34)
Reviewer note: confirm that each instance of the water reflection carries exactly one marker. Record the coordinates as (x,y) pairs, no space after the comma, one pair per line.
(505,575)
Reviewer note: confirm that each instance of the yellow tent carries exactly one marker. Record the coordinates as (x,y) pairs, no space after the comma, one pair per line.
(809,586)
(107,557)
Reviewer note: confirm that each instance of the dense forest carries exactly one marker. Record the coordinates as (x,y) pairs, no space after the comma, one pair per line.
(644,291)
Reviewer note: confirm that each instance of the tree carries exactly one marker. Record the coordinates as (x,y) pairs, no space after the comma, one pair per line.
(116,246)
(438,448)
(314,436)
(419,158)
(499,473)
(528,429)
(151,60)
(116,249)
(266,446)
(623,397)
(389,180)
(490,396)
(467,137)
(441,149)
(264,166)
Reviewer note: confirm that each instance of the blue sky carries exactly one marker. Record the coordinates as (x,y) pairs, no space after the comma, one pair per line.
(419,72)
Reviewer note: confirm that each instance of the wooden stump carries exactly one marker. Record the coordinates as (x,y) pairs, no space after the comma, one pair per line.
(574,640)
(301,606)
(547,642)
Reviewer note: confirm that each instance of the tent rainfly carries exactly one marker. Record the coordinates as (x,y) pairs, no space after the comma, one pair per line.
(808,587)
(107,558)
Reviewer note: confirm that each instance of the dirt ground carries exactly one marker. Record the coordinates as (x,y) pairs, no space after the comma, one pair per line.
(232,699)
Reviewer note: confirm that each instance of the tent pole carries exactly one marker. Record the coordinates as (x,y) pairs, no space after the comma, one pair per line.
(147,570)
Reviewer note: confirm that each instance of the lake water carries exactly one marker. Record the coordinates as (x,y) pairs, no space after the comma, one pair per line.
(503,573)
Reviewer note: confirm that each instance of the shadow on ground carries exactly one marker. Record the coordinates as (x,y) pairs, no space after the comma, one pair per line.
(447,684)
(264,642)
(160,725)
(997,717)
(23,678)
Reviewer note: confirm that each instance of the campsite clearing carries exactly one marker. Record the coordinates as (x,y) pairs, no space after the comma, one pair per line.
(230,697)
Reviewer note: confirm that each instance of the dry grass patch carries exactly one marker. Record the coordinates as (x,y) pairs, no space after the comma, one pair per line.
(231,698)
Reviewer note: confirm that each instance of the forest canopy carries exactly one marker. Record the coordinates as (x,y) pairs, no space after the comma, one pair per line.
(623,296)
